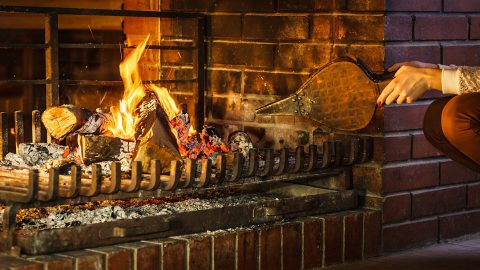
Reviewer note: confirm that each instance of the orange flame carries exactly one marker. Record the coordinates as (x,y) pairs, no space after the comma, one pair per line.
(124,118)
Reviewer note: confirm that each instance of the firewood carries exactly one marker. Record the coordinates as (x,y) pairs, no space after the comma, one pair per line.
(155,139)
(99,148)
(61,121)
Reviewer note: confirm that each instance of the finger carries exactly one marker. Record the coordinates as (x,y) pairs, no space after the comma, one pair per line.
(392,97)
(386,92)
(396,66)
(401,99)
(410,100)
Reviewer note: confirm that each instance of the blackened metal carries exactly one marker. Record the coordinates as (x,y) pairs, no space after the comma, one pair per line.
(199,68)
(221,170)
(299,158)
(353,151)
(205,175)
(327,155)
(252,162)
(312,158)
(51,60)
(136,178)
(237,168)
(36,127)
(115,179)
(120,83)
(155,171)
(3,135)
(283,162)
(190,169)
(24,82)
(52,188)
(22,46)
(76,181)
(170,182)
(338,152)
(96,182)
(99,12)
(117,46)
(269,163)
(19,130)
(367,144)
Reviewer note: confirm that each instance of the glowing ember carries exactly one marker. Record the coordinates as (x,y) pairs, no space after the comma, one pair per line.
(124,116)
(125,119)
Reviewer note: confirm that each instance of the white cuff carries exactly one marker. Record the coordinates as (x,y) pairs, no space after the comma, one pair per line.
(450,81)
(442,67)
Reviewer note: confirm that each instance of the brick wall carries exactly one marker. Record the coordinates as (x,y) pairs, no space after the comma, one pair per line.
(307,243)
(260,51)
(425,197)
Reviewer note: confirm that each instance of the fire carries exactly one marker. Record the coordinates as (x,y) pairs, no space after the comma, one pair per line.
(124,118)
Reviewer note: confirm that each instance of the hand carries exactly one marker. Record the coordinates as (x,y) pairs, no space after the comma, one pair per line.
(416,64)
(410,83)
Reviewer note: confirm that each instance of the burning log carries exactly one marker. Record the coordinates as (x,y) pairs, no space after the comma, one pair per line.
(155,139)
(63,120)
(99,148)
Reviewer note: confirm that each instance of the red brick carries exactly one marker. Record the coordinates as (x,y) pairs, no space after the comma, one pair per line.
(428,27)
(421,148)
(221,26)
(86,260)
(365,5)
(303,56)
(200,251)
(224,82)
(413,5)
(333,239)
(371,55)
(453,173)
(299,5)
(410,234)
(219,6)
(243,54)
(174,254)
(409,176)
(313,243)
(224,251)
(396,148)
(247,250)
(359,28)
(275,27)
(404,117)
(459,224)
(147,255)
(372,233)
(16,263)
(292,246)
(461,55)
(54,262)
(475,27)
(473,195)
(265,83)
(398,27)
(397,208)
(270,248)
(322,27)
(402,53)
(353,243)
(116,257)
(438,201)
(461,5)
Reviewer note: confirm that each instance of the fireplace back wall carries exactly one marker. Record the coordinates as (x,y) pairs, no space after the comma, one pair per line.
(260,51)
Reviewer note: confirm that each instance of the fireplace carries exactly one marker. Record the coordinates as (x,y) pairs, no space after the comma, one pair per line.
(287,177)
(307,197)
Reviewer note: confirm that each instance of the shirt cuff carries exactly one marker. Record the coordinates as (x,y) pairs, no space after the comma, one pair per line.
(450,81)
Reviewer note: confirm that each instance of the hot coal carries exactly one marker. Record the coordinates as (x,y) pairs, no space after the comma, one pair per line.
(92,213)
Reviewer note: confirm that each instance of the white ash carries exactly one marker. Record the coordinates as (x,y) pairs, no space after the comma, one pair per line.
(61,217)
(36,154)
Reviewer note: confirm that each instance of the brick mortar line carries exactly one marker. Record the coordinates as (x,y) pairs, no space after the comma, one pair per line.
(407,222)
(310,41)
(431,160)
(430,13)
